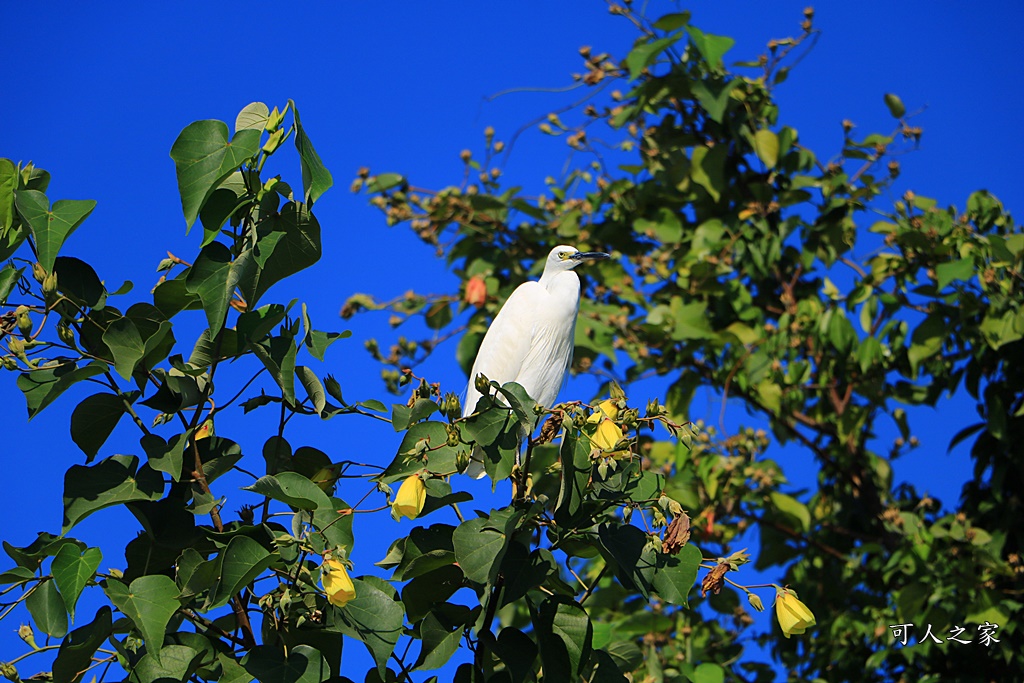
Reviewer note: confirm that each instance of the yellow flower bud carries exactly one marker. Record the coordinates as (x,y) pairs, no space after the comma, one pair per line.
(412,494)
(337,584)
(793,615)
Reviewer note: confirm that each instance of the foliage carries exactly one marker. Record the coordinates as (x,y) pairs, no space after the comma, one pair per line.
(747,264)
(735,270)
(272,594)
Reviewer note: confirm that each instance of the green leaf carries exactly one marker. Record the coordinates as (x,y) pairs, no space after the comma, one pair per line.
(945,273)
(708,672)
(126,345)
(624,547)
(165,456)
(112,481)
(766,145)
(429,589)
(666,227)
(708,169)
(9,277)
(438,644)
(204,158)
(314,390)
(278,356)
(384,182)
(565,636)
(242,561)
(287,242)
(77,280)
(422,551)
(316,179)
(926,341)
(41,387)
(8,184)
(51,226)
(150,602)
(75,654)
(213,278)
(518,651)
(711,47)
(374,618)
(47,609)
(72,570)
(675,574)
(671,22)
(252,117)
(172,663)
(643,55)
(299,492)
(895,105)
(442,456)
(290,488)
(303,664)
(479,549)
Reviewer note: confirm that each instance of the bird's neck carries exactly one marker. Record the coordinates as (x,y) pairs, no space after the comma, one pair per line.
(565,282)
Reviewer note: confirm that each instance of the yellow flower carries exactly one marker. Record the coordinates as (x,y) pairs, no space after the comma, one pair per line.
(412,494)
(793,615)
(336,582)
(607,435)
(608,408)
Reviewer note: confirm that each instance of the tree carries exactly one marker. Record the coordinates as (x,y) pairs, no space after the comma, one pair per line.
(729,235)
(735,270)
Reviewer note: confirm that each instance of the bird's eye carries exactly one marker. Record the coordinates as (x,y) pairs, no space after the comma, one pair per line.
(563,254)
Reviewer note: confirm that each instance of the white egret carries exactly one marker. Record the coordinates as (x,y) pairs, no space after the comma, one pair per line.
(530,341)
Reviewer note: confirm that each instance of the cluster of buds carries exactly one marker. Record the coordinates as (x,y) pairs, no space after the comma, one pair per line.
(451,406)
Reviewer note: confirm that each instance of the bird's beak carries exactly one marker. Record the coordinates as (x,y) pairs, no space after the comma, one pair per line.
(589,256)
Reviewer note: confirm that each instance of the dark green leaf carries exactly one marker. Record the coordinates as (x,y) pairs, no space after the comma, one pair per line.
(518,651)
(287,242)
(676,574)
(9,277)
(564,634)
(479,549)
(149,602)
(77,649)
(126,345)
(303,664)
(442,457)
(42,386)
(316,179)
(47,609)
(374,618)
(204,158)
(172,663)
(72,570)
(77,280)
(213,277)
(278,355)
(438,644)
(8,183)
(111,481)
(242,561)
(51,226)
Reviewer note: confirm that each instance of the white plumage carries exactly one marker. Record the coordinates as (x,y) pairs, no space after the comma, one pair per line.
(530,341)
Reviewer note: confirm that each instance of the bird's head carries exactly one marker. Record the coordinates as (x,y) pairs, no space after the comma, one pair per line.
(566,258)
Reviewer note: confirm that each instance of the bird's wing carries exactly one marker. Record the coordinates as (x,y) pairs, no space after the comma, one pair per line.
(508,340)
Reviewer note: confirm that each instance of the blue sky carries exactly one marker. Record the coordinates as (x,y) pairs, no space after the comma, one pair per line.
(96,95)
